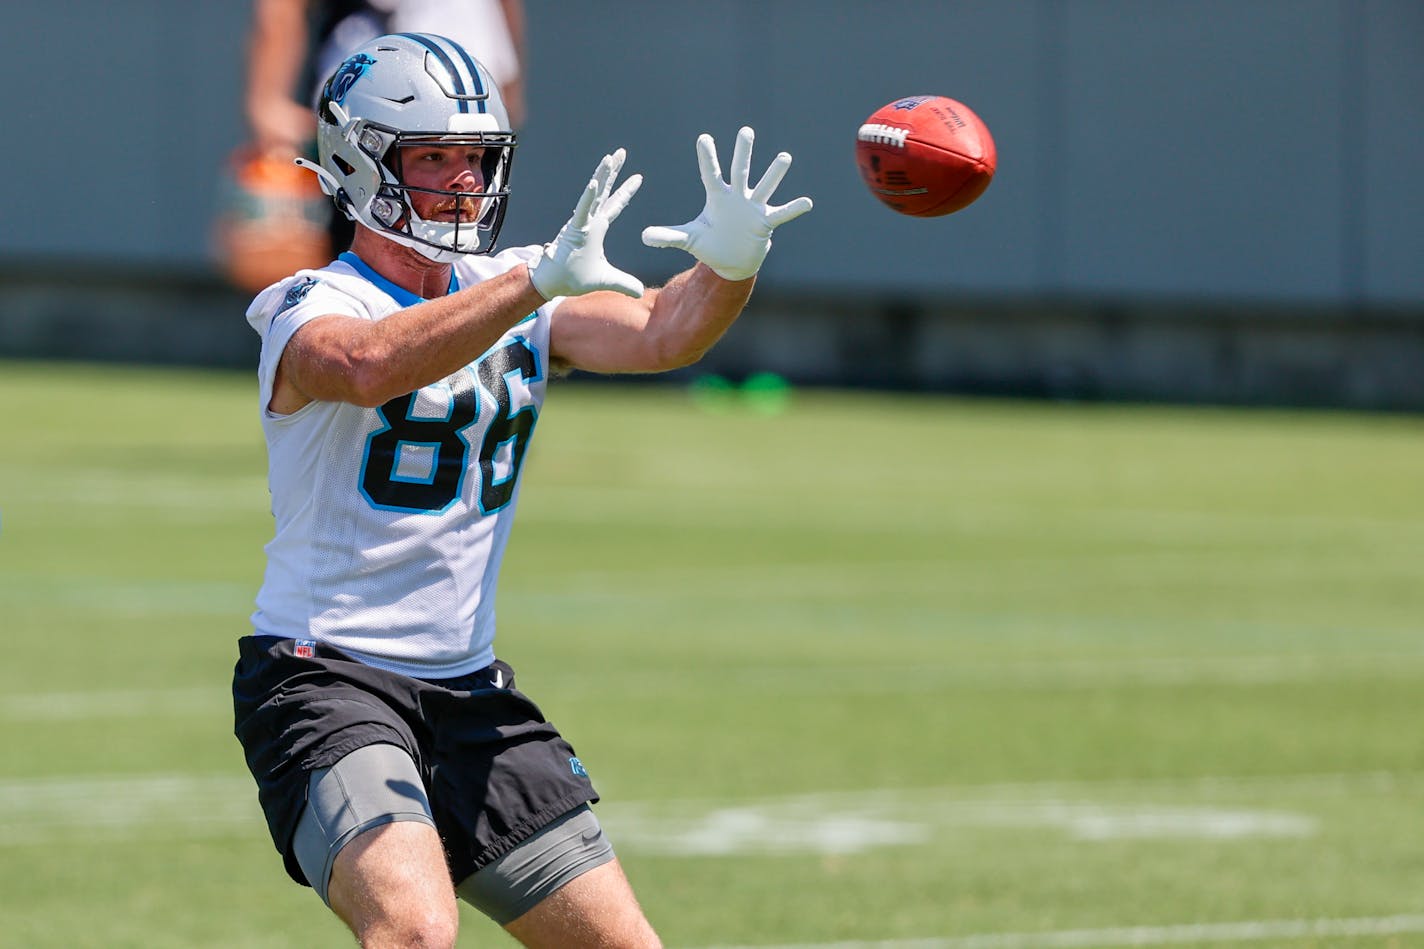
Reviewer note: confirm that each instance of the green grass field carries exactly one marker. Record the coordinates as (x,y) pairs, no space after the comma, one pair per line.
(910,672)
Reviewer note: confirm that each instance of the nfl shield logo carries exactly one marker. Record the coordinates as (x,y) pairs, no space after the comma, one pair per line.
(305,648)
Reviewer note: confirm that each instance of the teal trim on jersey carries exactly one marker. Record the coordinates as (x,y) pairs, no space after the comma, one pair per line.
(399,294)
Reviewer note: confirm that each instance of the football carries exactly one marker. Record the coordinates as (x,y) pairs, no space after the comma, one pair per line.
(925,156)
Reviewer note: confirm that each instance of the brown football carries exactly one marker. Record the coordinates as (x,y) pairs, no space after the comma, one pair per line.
(925,155)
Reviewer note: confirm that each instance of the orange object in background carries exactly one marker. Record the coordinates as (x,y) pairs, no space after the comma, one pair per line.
(272,220)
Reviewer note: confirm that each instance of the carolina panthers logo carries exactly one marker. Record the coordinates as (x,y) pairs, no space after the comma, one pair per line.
(296,293)
(346,75)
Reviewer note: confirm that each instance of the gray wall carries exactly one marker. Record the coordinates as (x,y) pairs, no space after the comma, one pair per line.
(1214,150)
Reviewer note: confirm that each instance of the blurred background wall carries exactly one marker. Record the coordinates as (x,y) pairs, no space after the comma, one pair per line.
(1216,200)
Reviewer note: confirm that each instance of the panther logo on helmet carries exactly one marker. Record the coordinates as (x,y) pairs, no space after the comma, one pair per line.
(346,75)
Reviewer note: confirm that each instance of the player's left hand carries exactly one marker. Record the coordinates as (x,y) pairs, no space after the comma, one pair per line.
(733,233)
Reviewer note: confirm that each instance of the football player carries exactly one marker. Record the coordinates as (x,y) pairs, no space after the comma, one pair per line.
(397,764)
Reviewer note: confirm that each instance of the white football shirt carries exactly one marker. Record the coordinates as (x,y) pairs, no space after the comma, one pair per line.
(391,522)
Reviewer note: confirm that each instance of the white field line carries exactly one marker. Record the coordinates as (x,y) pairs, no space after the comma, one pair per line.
(115,703)
(881,820)
(1058,675)
(895,678)
(871,678)
(1222,808)
(144,490)
(138,597)
(41,810)
(738,503)
(1257,930)
(936,575)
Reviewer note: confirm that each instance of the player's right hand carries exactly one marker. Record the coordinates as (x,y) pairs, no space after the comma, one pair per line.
(573,262)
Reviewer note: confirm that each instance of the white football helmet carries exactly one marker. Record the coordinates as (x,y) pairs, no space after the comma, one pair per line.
(402,90)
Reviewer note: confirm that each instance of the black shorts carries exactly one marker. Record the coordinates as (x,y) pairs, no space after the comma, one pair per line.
(494,770)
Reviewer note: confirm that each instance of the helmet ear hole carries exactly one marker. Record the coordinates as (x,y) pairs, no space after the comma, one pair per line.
(386,210)
(346,167)
(371,143)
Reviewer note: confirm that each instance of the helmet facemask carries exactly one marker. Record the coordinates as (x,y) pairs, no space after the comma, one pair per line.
(393,208)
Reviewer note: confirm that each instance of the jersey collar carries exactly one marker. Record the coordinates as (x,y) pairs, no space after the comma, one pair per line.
(399,294)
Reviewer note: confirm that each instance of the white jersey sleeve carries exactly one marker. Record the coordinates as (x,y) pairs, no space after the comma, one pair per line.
(391,522)
(285,307)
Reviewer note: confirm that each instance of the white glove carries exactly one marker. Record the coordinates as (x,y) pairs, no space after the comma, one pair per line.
(733,233)
(573,262)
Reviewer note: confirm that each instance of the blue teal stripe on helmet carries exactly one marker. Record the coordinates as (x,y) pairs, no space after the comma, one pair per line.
(449,65)
(474,72)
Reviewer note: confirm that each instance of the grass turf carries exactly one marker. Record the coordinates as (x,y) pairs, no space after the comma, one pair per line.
(874,667)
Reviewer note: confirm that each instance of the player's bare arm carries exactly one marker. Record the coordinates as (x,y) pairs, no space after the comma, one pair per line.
(676,325)
(344,359)
(667,328)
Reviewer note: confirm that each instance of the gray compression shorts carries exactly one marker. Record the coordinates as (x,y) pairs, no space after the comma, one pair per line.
(518,881)
(371,786)
(379,784)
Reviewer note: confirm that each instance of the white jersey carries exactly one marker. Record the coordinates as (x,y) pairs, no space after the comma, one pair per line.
(391,522)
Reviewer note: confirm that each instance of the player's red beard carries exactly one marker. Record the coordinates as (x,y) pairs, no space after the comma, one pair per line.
(468,210)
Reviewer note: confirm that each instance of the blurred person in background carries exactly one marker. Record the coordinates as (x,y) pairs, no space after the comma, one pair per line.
(397,765)
(296,44)
(273,220)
